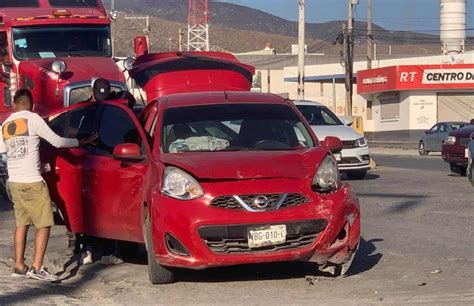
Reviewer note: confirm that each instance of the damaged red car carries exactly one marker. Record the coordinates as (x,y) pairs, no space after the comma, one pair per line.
(206,180)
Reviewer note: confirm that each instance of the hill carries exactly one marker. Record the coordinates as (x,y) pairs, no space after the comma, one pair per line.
(251,28)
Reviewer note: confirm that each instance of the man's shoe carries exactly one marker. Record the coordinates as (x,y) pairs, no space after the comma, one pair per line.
(111,260)
(42,274)
(17,272)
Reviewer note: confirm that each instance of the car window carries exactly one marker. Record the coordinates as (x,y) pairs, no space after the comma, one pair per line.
(233,128)
(81,122)
(318,115)
(58,124)
(434,129)
(442,128)
(457,126)
(116,127)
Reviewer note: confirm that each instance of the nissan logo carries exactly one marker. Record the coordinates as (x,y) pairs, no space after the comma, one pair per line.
(261,201)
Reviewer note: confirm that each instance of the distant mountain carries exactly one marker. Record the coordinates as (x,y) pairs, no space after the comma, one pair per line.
(229,17)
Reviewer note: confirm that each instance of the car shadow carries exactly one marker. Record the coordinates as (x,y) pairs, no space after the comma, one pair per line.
(369,176)
(366,258)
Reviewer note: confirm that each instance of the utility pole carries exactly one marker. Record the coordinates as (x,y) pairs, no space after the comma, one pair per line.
(370,50)
(301,50)
(146,29)
(349,42)
(180,40)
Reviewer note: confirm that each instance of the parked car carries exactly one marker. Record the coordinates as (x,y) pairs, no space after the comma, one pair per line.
(455,151)
(355,157)
(200,193)
(434,137)
(470,157)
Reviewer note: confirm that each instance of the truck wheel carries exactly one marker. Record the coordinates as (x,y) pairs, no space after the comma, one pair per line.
(422,149)
(455,168)
(356,174)
(157,273)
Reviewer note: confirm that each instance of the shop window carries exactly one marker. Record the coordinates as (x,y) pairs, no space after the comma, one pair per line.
(389,106)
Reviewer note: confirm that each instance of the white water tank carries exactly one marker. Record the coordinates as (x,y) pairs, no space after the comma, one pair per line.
(453,26)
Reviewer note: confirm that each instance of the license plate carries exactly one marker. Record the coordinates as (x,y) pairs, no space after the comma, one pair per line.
(266,236)
(338,156)
(466,153)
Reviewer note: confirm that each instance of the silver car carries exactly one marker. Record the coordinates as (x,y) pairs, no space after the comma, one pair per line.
(434,137)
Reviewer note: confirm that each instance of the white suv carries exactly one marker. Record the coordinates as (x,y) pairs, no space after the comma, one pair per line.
(355,159)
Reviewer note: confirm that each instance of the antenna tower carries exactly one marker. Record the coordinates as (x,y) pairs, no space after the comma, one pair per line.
(198,26)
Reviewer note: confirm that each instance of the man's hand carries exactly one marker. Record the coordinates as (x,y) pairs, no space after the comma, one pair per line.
(91,140)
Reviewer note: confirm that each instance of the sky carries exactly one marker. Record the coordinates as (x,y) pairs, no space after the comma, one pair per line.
(394,15)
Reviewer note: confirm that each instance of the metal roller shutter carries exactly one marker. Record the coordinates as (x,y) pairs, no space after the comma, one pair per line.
(455,106)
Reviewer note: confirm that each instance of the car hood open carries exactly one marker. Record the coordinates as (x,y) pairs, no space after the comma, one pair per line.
(243,165)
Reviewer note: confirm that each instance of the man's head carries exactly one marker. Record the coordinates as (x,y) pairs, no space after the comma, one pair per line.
(23,100)
(100,89)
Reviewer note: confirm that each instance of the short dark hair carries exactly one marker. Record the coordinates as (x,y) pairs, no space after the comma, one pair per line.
(22,94)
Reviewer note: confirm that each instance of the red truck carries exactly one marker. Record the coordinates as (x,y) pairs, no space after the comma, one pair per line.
(54,48)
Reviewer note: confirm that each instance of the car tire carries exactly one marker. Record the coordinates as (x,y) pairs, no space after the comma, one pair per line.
(157,273)
(356,174)
(421,148)
(455,168)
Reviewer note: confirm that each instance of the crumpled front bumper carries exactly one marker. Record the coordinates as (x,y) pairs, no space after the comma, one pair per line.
(335,244)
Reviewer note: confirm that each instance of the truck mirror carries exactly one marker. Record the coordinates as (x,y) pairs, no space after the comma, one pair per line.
(140,46)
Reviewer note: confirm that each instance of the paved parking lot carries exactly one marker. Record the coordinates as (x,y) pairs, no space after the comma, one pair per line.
(417,247)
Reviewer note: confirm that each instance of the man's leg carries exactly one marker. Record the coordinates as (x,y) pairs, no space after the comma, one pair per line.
(21,233)
(41,242)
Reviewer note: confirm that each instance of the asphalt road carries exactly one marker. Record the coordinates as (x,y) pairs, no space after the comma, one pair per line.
(417,247)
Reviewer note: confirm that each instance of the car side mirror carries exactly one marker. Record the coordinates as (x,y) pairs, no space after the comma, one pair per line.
(334,144)
(128,152)
(427,132)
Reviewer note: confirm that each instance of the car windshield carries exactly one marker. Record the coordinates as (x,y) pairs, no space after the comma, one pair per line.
(233,127)
(319,115)
(61,41)
(73,3)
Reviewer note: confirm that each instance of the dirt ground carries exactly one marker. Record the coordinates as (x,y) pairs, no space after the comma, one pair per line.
(417,247)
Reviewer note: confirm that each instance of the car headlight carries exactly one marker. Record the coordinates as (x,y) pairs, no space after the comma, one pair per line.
(327,177)
(361,142)
(180,185)
(450,140)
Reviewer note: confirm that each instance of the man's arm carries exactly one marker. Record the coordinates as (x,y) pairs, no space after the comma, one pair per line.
(3,149)
(45,132)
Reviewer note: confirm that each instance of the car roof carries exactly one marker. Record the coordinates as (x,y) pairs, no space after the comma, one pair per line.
(218,97)
(453,122)
(308,102)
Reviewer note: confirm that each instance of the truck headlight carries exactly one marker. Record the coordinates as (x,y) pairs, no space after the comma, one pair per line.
(450,140)
(361,142)
(180,185)
(327,177)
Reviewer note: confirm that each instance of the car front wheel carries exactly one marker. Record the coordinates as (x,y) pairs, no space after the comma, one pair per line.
(455,168)
(158,274)
(422,149)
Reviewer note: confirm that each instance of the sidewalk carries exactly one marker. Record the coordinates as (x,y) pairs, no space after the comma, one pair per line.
(397,151)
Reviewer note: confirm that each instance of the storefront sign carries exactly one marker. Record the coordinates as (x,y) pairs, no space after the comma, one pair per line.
(416,77)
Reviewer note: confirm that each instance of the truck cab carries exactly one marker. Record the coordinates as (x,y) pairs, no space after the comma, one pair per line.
(54,48)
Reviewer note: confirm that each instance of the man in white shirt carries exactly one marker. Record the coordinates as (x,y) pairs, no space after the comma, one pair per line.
(20,139)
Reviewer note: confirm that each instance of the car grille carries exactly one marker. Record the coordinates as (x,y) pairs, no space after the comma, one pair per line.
(349,144)
(83,94)
(247,202)
(233,239)
(350,160)
(464,141)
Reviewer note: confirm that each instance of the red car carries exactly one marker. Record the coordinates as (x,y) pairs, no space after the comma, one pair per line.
(206,180)
(455,149)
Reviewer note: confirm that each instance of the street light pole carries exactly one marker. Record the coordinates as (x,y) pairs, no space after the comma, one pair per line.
(370,52)
(350,56)
(301,49)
